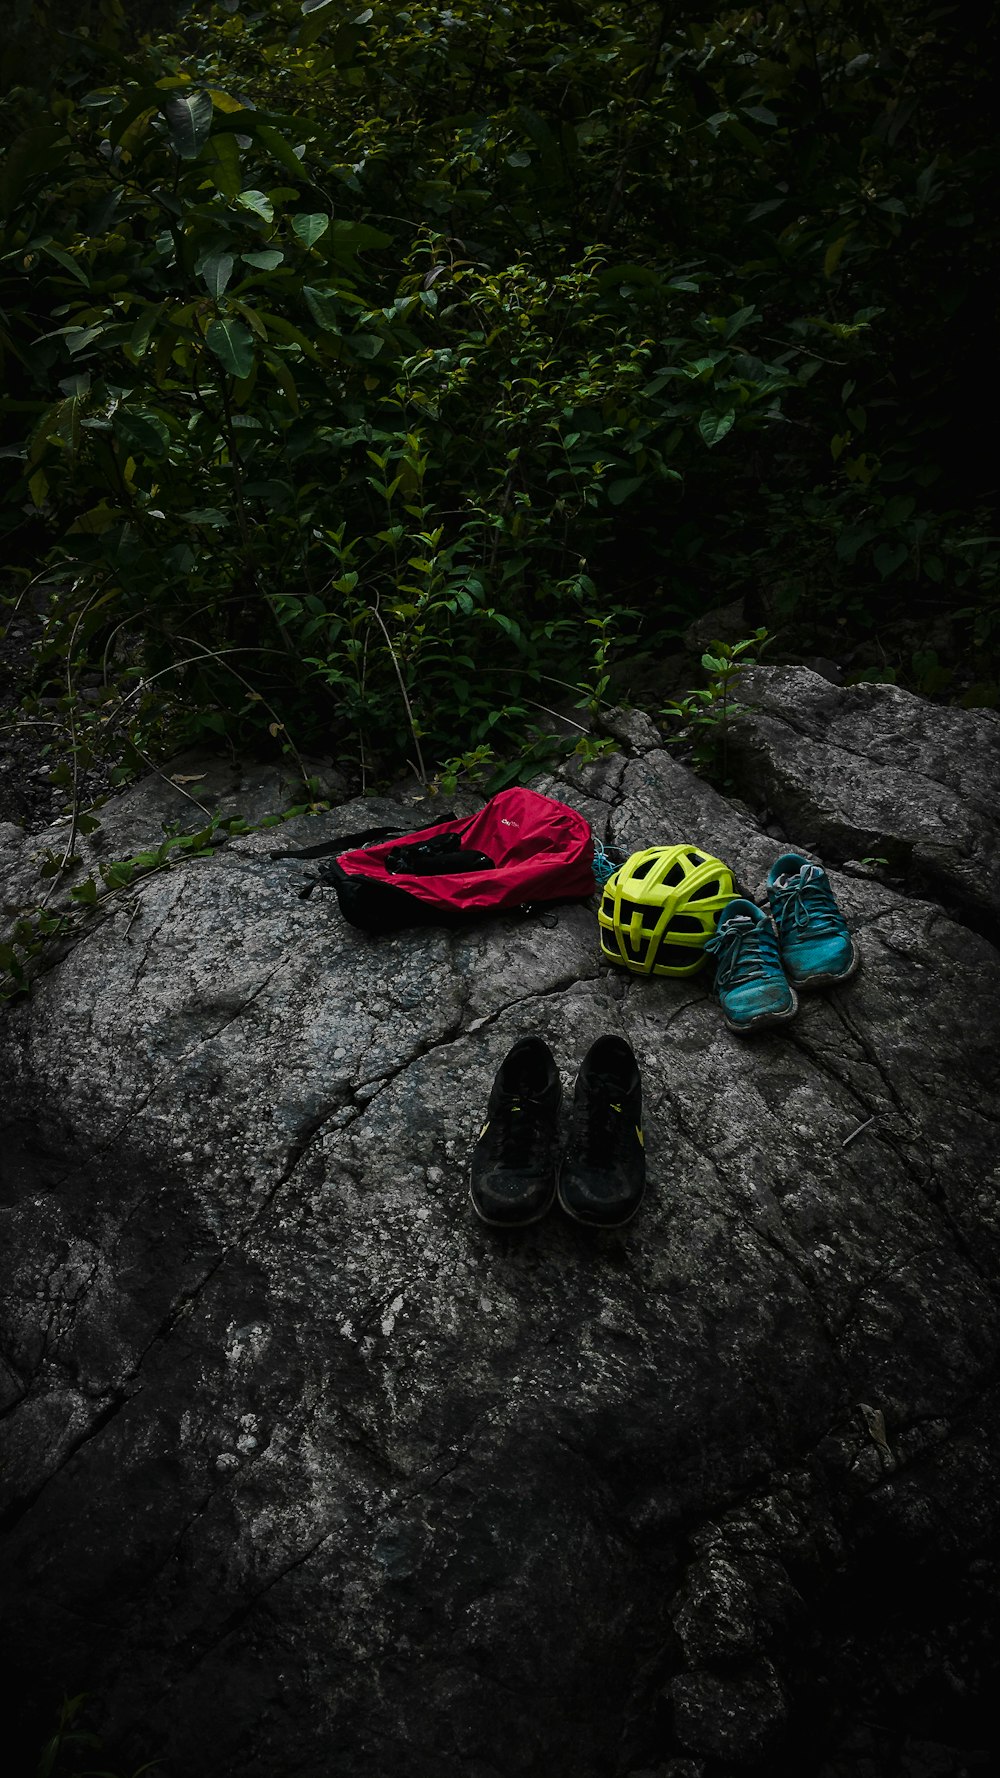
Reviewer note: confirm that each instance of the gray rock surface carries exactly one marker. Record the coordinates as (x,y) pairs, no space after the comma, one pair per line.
(304,1471)
(180,798)
(865,769)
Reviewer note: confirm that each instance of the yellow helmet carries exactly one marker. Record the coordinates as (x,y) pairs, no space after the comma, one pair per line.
(660,909)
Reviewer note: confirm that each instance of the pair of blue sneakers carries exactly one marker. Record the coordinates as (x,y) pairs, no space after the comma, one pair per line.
(761,959)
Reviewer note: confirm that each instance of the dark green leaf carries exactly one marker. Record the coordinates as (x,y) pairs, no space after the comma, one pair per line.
(265,260)
(232,344)
(217,271)
(310,228)
(890,556)
(352,237)
(67,261)
(79,338)
(142,331)
(735,322)
(258,202)
(314,24)
(366,345)
(323,308)
(620,490)
(277,324)
(714,427)
(222,158)
(279,149)
(117,875)
(189,119)
(149,99)
(143,434)
(852,540)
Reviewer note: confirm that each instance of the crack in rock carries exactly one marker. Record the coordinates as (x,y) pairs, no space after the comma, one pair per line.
(330,1464)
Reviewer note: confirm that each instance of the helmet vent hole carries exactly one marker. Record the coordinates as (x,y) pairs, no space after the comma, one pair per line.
(705,891)
(643,869)
(685,923)
(676,956)
(674,875)
(629,910)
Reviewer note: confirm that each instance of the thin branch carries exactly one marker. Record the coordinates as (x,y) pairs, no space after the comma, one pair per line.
(377,615)
(77,781)
(252,689)
(160,773)
(557,714)
(206,654)
(857,1132)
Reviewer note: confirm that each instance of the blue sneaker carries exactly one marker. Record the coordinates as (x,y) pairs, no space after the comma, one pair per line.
(749,980)
(816,947)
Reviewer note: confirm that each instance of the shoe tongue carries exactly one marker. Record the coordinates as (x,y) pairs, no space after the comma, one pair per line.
(609,1084)
(806,873)
(521,1083)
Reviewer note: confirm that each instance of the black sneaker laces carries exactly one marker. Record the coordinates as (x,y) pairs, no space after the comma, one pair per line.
(521,1136)
(602,1119)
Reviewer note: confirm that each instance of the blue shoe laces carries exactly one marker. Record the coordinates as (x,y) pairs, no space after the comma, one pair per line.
(607,859)
(745,950)
(805,902)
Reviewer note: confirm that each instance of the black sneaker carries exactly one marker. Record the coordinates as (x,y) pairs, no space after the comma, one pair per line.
(514,1161)
(603,1174)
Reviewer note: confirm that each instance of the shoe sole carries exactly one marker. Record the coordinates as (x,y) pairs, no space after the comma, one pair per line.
(523,1222)
(765,1018)
(829,981)
(587,1222)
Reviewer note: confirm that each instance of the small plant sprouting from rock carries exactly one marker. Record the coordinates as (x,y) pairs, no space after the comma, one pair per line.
(706,714)
(70,1744)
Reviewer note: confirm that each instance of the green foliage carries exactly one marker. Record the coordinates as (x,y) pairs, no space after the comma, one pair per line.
(71,1743)
(359,362)
(707,714)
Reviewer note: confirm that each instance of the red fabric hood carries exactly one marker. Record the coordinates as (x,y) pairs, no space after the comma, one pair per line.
(543,851)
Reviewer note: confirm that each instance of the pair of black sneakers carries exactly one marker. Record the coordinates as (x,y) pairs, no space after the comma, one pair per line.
(517,1169)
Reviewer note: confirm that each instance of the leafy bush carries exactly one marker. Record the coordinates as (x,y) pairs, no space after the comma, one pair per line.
(359,362)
